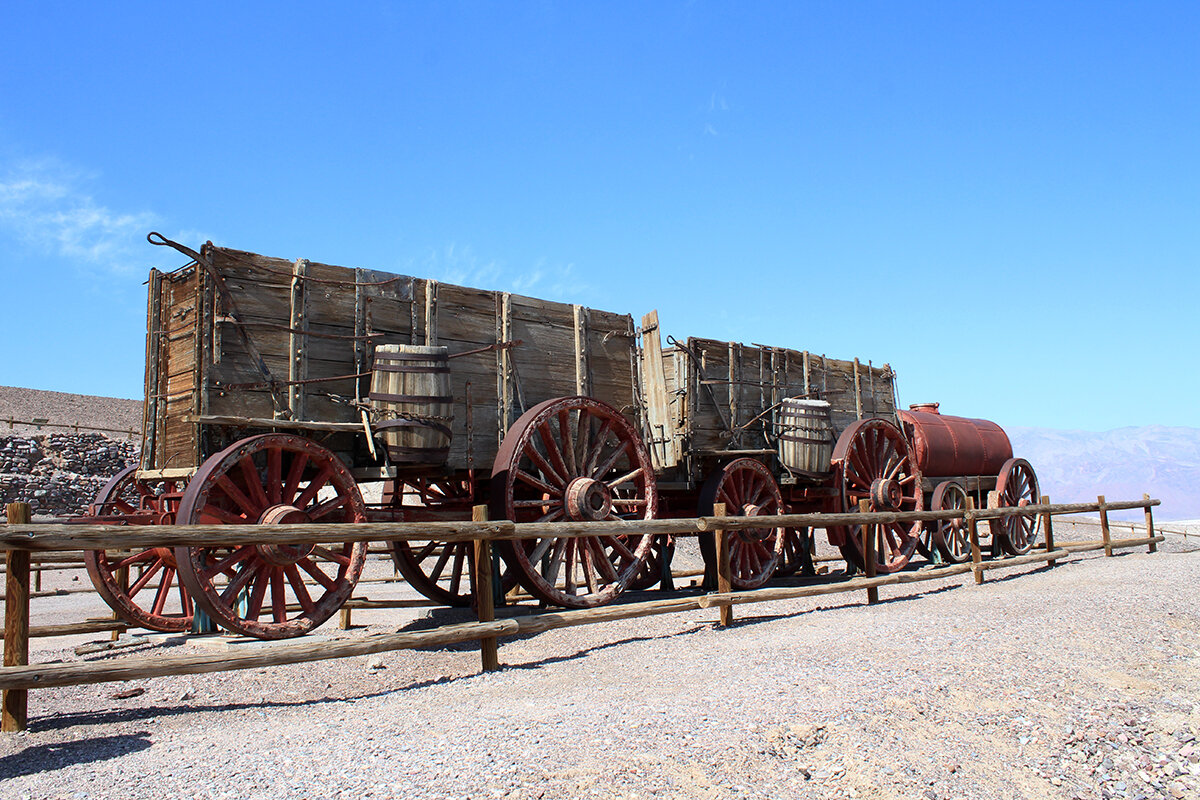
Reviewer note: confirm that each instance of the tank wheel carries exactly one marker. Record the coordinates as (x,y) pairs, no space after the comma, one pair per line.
(439,570)
(747,489)
(871,462)
(158,606)
(950,536)
(272,479)
(574,459)
(1018,486)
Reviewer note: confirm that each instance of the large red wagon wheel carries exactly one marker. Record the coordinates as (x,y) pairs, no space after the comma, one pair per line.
(439,570)
(280,590)
(1017,485)
(871,462)
(141,584)
(747,489)
(950,536)
(574,459)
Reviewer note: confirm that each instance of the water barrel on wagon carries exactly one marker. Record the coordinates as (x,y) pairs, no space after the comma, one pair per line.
(410,393)
(804,433)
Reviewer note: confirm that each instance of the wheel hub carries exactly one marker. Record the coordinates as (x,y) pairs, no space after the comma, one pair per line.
(283,555)
(885,494)
(587,499)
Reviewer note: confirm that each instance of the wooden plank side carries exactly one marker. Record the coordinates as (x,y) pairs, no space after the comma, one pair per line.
(180,315)
(662,438)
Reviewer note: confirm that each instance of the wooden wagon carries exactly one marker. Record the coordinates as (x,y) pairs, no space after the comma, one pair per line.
(275,389)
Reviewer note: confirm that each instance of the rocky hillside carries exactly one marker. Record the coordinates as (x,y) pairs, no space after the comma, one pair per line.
(59,473)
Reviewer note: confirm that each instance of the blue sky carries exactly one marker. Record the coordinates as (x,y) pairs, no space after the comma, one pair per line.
(1001,200)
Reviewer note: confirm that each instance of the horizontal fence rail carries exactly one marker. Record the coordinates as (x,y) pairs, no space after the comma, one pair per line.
(66,536)
(20,538)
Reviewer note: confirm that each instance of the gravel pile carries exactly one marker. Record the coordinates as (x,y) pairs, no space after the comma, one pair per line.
(1072,682)
(59,473)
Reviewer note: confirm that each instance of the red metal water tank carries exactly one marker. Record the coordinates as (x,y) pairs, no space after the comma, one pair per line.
(947,446)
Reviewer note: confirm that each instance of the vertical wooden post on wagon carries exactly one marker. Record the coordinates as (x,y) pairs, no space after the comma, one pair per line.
(485,599)
(724,569)
(1048,524)
(1150,525)
(973,530)
(867,549)
(1104,532)
(15,713)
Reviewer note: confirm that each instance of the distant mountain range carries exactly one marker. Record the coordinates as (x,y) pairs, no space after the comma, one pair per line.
(1075,466)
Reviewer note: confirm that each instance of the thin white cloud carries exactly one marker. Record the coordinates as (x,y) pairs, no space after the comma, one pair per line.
(461,265)
(710,130)
(48,208)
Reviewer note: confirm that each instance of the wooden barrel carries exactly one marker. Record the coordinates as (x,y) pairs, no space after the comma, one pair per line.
(805,435)
(410,390)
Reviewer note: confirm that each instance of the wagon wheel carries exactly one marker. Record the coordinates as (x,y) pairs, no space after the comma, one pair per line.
(747,489)
(871,461)
(574,459)
(1017,485)
(162,606)
(439,570)
(272,479)
(950,536)
(797,553)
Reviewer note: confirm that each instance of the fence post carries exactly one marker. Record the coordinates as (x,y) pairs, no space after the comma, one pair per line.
(485,599)
(724,569)
(123,582)
(15,714)
(867,549)
(1104,527)
(1048,524)
(1150,525)
(973,530)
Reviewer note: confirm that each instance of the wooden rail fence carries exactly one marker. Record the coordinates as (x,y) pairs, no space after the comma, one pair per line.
(20,539)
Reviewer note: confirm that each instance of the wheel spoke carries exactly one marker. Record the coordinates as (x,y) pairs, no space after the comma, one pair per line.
(240,554)
(258,594)
(543,465)
(253,483)
(526,478)
(626,478)
(314,486)
(316,572)
(552,451)
(295,475)
(212,512)
(550,570)
(601,562)
(564,420)
(278,597)
(299,589)
(136,558)
(611,461)
(593,457)
(329,555)
(460,553)
(620,547)
(144,578)
(321,509)
(243,576)
(230,489)
(274,475)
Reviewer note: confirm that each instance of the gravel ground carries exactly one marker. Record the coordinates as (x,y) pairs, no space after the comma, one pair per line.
(1072,682)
